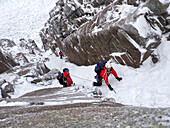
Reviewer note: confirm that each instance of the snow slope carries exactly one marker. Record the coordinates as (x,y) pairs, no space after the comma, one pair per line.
(23,18)
(147,86)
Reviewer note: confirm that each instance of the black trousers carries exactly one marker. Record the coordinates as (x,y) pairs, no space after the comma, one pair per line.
(98,79)
(61,56)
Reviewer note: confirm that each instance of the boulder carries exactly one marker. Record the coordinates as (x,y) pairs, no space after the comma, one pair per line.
(6,59)
(9,87)
(4,94)
(87,35)
(42,68)
(6,87)
(52,74)
(6,62)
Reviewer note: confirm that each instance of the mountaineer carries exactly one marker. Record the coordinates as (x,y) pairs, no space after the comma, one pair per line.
(103,70)
(64,78)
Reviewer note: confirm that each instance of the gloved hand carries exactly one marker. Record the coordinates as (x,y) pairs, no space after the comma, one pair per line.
(119,78)
(111,89)
(72,84)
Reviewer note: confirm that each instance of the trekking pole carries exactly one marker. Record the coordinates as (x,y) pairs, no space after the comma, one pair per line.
(114,90)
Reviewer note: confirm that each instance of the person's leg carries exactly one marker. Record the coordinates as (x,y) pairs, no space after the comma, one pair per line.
(65,84)
(98,79)
(98,83)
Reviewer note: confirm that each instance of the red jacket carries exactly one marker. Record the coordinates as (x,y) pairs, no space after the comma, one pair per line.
(60,53)
(105,75)
(69,80)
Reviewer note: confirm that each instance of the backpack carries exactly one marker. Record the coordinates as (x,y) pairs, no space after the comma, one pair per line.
(60,78)
(100,66)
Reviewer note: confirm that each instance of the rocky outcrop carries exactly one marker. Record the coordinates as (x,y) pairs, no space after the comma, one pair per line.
(66,17)
(12,54)
(6,43)
(6,87)
(88,32)
(6,59)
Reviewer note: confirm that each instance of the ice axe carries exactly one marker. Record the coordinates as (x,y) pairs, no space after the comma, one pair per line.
(114,91)
(110,87)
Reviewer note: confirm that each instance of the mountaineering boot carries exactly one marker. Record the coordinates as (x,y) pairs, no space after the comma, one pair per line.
(96,84)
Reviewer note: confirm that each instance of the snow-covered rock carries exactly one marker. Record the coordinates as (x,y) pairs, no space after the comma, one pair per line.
(6,59)
(88,33)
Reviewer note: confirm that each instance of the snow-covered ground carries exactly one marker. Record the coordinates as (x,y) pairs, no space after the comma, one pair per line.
(147,86)
(24,18)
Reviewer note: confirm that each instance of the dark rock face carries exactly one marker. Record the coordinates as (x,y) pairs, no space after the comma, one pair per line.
(156,7)
(87,34)
(6,60)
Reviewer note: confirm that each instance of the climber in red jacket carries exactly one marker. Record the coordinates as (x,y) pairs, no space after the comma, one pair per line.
(67,79)
(61,54)
(104,74)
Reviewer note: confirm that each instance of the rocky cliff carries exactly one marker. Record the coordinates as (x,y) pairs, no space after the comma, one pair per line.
(6,59)
(89,31)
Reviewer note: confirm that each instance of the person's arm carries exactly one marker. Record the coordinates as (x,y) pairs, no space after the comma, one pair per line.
(115,74)
(70,79)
